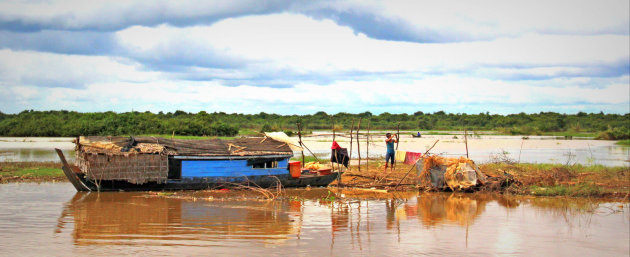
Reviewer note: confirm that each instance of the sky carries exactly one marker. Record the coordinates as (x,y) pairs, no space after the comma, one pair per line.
(301,57)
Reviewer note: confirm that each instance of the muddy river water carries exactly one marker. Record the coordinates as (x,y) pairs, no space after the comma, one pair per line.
(52,219)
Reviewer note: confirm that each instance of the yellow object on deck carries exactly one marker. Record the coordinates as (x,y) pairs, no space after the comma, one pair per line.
(400,156)
(313,165)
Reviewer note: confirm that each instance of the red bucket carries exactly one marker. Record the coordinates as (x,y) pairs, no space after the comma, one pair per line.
(295,169)
(324,172)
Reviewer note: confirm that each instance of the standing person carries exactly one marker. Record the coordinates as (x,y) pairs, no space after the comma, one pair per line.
(389,156)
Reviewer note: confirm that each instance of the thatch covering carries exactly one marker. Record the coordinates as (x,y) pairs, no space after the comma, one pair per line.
(456,173)
(211,147)
(133,168)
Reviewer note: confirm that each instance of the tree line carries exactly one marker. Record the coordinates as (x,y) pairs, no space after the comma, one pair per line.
(71,123)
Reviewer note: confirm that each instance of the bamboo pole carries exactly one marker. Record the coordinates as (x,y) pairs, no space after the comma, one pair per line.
(367,148)
(397,141)
(351,137)
(309,150)
(300,138)
(358,145)
(521,150)
(397,136)
(466,141)
(334,152)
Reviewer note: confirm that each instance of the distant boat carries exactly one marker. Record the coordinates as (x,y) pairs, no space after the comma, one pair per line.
(151,163)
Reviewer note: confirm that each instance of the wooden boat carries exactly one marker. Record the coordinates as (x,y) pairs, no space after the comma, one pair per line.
(150,163)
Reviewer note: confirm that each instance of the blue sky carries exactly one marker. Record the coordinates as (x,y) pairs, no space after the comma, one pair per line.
(300,57)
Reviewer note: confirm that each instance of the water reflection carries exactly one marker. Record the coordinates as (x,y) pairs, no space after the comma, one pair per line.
(121,218)
(404,224)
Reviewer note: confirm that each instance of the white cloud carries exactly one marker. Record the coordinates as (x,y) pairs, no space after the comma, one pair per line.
(103,14)
(489,19)
(59,70)
(534,56)
(305,45)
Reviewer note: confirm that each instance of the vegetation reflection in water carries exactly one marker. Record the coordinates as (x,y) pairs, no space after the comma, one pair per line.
(192,219)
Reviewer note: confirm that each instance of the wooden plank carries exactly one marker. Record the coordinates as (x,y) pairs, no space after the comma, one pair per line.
(72,177)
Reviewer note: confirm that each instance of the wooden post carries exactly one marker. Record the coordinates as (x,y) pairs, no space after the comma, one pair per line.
(358,145)
(397,135)
(332,166)
(300,138)
(333,127)
(351,137)
(397,141)
(466,141)
(367,147)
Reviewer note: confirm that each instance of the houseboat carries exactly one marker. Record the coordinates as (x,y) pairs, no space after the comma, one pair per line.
(153,163)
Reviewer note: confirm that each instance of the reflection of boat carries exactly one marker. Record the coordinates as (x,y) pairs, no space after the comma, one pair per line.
(149,163)
(127,218)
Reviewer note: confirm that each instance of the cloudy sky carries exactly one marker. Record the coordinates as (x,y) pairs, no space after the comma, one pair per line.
(300,57)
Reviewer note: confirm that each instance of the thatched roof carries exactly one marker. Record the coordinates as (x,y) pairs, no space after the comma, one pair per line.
(246,146)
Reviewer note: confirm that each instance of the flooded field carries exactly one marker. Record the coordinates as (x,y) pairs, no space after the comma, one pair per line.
(35,149)
(483,148)
(53,219)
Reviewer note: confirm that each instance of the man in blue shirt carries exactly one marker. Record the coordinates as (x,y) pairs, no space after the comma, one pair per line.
(389,155)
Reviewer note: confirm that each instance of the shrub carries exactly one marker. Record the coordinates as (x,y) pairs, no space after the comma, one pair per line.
(614,134)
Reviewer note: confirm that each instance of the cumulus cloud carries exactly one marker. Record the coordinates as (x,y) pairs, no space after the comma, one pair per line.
(102,15)
(301,45)
(457,21)
(60,41)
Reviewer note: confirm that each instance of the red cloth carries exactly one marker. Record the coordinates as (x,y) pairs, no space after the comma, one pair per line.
(411,158)
(335,146)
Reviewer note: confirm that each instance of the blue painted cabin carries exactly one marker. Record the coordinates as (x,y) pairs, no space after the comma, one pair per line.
(190,167)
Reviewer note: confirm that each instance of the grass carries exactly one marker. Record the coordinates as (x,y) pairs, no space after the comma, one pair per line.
(248,132)
(565,180)
(437,133)
(570,134)
(30,171)
(625,142)
(580,190)
(308,158)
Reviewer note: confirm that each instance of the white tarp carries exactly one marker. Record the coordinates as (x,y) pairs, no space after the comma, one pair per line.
(282,137)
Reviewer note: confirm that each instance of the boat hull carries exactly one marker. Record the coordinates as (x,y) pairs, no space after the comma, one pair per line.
(212,183)
(81,183)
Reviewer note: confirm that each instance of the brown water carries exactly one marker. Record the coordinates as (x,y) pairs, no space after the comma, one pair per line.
(52,219)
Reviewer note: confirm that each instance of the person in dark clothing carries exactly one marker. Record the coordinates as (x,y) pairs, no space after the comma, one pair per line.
(389,155)
(340,156)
